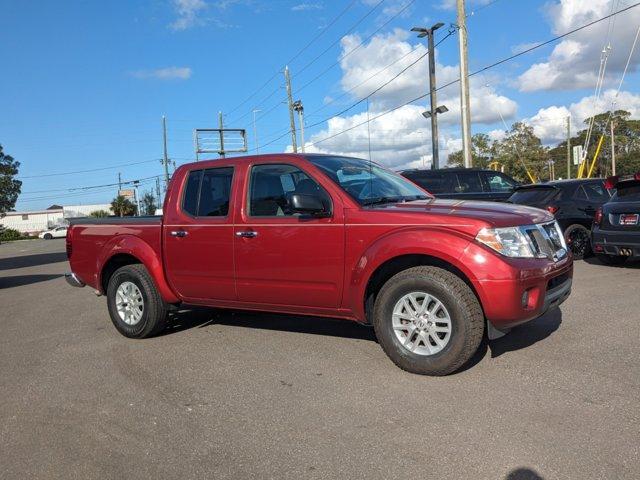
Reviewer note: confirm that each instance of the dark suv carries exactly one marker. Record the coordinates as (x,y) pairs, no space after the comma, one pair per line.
(574,204)
(464,183)
(616,228)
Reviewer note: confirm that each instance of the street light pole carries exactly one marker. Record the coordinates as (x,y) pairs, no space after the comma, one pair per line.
(255,130)
(298,107)
(434,109)
(465,108)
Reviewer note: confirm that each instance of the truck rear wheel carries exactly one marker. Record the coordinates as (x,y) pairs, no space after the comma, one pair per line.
(135,306)
(428,321)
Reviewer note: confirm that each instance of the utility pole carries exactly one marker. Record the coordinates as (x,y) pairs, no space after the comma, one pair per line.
(119,182)
(291,119)
(465,109)
(221,127)
(434,109)
(165,158)
(255,130)
(298,107)
(568,146)
(613,150)
(158,189)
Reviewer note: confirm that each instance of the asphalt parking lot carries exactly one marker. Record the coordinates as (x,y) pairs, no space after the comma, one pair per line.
(246,395)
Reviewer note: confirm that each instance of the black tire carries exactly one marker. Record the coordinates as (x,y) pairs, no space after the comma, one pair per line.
(467,320)
(48,236)
(613,260)
(155,310)
(578,240)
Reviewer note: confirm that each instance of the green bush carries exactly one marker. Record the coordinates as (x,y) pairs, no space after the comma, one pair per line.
(9,234)
(99,214)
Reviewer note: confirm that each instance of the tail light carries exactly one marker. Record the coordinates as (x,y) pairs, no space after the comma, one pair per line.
(636,176)
(552,209)
(597,219)
(611,182)
(68,243)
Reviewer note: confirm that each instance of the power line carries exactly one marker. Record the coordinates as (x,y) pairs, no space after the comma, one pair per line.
(342,57)
(87,171)
(483,69)
(326,27)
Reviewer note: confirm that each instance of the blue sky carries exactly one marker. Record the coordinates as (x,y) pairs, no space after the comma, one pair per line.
(85,83)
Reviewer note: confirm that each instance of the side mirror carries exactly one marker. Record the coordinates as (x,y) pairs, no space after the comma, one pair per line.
(309,204)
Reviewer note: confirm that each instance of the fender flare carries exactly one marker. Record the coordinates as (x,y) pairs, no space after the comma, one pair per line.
(141,250)
(443,244)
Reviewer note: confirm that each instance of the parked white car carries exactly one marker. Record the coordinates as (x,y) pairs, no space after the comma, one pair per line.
(58,232)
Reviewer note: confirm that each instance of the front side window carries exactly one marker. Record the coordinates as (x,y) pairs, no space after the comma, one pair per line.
(366,182)
(272,185)
(207,192)
(499,183)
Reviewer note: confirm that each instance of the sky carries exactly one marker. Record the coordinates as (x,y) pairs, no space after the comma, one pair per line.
(85,84)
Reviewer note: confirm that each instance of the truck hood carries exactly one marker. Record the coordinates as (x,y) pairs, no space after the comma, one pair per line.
(493,214)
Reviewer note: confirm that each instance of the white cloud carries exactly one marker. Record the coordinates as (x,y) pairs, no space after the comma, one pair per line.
(167,73)
(189,13)
(550,123)
(574,62)
(302,7)
(402,138)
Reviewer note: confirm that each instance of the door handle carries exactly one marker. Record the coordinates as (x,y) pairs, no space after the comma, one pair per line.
(179,233)
(247,234)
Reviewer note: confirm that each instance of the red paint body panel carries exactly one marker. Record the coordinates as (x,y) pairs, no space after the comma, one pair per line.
(316,266)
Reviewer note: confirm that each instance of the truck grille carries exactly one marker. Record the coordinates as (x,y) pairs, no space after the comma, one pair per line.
(547,240)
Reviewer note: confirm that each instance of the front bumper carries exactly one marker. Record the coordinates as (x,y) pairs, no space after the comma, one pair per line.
(73,280)
(515,291)
(616,242)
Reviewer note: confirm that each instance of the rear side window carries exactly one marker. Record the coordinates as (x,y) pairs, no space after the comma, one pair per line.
(190,199)
(596,192)
(529,196)
(468,182)
(207,192)
(436,182)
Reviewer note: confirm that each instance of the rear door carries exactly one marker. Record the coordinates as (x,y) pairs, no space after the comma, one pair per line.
(198,235)
(284,258)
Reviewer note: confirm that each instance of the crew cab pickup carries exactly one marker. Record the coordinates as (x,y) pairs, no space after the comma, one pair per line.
(328,236)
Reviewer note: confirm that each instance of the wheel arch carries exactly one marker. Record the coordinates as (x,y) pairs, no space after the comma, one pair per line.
(128,250)
(397,264)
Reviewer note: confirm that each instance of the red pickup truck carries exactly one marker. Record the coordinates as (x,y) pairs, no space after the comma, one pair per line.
(328,236)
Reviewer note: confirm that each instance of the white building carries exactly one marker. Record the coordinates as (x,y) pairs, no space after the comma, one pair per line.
(38,220)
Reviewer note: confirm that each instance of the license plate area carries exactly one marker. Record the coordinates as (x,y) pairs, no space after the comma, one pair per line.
(629,219)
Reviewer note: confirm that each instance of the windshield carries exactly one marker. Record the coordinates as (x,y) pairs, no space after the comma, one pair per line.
(530,196)
(366,182)
(627,192)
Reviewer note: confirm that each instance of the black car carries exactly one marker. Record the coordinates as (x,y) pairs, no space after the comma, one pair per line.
(574,204)
(616,228)
(464,183)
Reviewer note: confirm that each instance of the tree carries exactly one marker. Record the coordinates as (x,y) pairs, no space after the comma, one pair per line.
(481,152)
(9,186)
(522,154)
(99,214)
(122,206)
(627,143)
(148,203)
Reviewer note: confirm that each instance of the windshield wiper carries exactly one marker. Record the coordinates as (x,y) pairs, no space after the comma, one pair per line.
(398,199)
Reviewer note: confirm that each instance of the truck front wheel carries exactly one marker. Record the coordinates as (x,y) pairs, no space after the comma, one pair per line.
(135,306)
(428,321)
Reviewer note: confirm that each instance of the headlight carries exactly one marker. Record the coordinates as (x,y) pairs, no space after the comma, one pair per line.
(509,241)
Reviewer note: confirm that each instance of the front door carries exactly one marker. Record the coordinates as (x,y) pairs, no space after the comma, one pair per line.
(198,236)
(284,258)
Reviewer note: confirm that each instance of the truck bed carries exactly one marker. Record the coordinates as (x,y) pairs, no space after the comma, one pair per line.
(148,219)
